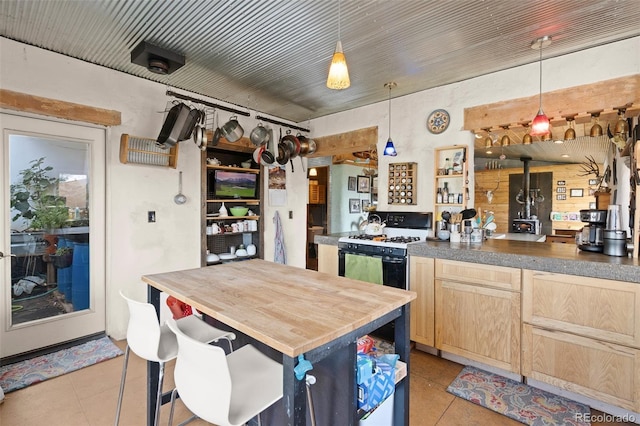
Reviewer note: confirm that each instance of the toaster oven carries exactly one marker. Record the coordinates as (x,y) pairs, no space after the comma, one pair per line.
(526,226)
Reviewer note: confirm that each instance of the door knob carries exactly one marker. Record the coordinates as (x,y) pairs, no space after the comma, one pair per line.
(3,256)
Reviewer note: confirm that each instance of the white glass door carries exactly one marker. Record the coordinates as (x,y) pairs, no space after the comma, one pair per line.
(52,239)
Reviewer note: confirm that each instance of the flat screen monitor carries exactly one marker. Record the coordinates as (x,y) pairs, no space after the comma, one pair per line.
(225,184)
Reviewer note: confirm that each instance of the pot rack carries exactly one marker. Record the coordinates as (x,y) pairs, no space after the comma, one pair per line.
(235,111)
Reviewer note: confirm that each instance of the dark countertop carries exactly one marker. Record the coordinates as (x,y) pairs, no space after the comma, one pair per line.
(546,257)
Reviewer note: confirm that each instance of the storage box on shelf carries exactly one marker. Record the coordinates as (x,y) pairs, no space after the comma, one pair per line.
(451,179)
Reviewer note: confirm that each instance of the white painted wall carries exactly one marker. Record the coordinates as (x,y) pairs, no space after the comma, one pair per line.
(135,247)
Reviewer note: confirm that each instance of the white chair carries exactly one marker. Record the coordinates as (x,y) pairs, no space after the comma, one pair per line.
(154,342)
(227,390)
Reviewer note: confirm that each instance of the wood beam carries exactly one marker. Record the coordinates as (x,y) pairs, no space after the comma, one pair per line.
(605,96)
(343,143)
(56,108)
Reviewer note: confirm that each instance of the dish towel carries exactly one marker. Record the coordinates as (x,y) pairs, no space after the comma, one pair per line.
(279,254)
(363,268)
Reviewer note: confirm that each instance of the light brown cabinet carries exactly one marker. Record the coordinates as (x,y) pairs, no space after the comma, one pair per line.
(317,193)
(328,259)
(422,281)
(477,312)
(583,334)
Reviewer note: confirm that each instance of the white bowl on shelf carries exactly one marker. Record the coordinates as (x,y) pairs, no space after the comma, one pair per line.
(227,256)
(242,253)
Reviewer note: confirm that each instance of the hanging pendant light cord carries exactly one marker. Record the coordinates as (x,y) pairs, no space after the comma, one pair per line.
(339,19)
(389,110)
(540,76)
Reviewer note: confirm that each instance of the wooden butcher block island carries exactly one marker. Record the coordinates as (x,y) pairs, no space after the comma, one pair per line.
(295,312)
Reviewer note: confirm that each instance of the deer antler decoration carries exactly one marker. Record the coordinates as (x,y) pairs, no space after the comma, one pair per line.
(590,167)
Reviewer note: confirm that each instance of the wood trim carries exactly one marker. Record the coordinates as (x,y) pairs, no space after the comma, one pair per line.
(342,143)
(603,96)
(56,108)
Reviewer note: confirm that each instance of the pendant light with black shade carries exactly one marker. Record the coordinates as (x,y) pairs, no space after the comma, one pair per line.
(540,123)
(389,149)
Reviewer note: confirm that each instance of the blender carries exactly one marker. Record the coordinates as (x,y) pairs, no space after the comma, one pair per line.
(615,238)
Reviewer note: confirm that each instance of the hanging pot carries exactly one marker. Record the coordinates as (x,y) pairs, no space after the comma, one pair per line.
(267,156)
(232,130)
(190,124)
(259,135)
(283,153)
(292,144)
(307,146)
(203,124)
(217,134)
(172,127)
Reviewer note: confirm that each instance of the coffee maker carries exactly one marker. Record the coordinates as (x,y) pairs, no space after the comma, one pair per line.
(591,238)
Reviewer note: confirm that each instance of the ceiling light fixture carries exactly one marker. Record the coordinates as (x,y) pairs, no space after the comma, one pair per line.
(313,171)
(389,149)
(156,59)
(540,124)
(338,78)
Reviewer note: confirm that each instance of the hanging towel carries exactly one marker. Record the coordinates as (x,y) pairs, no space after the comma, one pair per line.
(279,254)
(363,268)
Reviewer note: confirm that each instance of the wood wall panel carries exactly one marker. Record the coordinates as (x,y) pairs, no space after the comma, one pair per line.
(61,109)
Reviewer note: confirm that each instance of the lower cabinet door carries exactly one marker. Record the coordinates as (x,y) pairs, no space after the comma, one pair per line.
(479,323)
(328,259)
(604,371)
(421,280)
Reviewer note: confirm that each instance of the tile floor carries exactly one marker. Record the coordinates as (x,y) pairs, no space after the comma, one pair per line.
(89,396)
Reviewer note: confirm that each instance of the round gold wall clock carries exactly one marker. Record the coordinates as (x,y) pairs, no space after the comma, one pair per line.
(438,121)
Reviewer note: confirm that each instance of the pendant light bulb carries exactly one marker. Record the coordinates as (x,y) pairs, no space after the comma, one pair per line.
(390,149)
(338,78)
(540,124)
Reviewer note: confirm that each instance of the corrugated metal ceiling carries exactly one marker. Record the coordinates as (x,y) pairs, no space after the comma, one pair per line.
(272,56)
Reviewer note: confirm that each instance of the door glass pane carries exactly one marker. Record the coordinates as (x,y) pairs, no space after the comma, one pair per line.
(49,199)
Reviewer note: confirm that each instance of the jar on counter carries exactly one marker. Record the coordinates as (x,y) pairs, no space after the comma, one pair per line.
(476,235)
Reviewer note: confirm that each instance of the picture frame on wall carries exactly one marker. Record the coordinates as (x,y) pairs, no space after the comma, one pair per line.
(577,192)
(364,184)
(365,204)
(354,205)
(351,183)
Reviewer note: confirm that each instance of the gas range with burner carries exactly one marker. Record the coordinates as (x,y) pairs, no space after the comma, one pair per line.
(402,229)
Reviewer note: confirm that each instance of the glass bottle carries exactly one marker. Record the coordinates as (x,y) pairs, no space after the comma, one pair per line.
(447,166)
(445,193)
(439,196)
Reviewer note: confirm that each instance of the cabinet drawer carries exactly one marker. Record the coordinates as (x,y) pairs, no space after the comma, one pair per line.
(479,323)
(601,309)
(600,370)
(494,276)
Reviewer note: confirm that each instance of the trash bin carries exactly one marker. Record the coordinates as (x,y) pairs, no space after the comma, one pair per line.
(80,277)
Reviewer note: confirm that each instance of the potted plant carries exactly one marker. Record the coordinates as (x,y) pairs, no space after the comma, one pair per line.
(62,258)
(35,200)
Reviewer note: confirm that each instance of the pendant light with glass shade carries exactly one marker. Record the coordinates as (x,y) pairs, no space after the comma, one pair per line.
(389,149)
(540,124)
(338,78)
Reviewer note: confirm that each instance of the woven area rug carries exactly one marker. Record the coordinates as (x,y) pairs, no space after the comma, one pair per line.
(24,373)
(516,400)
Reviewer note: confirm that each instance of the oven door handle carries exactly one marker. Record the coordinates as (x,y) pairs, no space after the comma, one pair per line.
(385,259)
